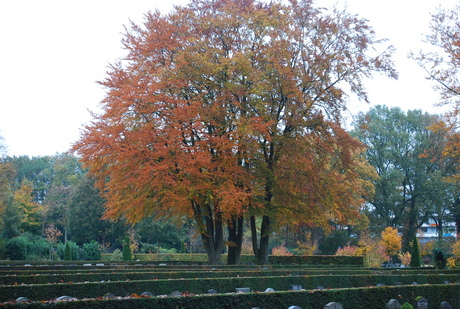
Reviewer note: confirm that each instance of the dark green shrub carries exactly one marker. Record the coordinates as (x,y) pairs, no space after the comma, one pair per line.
(16,248)
(37,247)
(74,251)
(92,251)
(2,249)
(127,253)
(415,254)
(148,248)
(440,258)
(27,247)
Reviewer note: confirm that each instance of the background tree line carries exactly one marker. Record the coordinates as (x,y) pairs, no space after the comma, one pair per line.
(52,198)
(54,194)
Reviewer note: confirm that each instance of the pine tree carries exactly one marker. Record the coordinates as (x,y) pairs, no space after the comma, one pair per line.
(127,253)
(415,254)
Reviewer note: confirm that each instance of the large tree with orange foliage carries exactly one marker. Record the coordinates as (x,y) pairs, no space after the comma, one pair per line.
(442,64)
(225,109)
(441,61)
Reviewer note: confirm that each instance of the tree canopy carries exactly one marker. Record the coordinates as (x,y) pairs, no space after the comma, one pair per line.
(224,109)
(441,61)
(412,171)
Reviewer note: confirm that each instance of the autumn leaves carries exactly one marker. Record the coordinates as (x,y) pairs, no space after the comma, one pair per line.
(224,110)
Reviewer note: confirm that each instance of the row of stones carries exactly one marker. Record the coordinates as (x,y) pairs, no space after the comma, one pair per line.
(173,294)
(422,303)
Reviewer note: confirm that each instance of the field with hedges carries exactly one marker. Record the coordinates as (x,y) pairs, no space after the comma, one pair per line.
(147,284)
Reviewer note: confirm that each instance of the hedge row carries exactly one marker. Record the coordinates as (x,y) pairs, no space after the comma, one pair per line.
(42,278)
(250,259)
(202,285)
(305,270)
(362,298)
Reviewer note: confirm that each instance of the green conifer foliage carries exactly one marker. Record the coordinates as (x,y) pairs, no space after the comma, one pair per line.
(415,254)
(127,253)
(67,252)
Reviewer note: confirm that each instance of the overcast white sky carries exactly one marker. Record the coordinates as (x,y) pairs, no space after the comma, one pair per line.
(52,52)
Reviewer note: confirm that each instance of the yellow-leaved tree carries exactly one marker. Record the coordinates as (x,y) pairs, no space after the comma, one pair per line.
(391,241)
(30,211)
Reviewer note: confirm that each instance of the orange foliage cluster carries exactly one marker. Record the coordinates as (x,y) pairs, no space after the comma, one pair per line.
(226,108)
(348,251)
(281,250)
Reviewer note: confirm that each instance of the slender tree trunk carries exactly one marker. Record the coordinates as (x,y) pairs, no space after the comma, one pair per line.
(235,240)
(439,228)
(456,214)
(261,249)
(409,229)
(315,235)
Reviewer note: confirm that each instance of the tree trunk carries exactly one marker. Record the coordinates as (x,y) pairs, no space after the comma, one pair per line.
(211,231)
(456,214)
(315,235)
(409,229)
(457,223)
(261,250)
(213,240)
(65,234)
(235,240)
(439,228)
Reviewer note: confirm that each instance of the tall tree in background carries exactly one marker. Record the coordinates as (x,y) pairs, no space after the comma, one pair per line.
(66,174)
(7,174)
(442,63)
(411,185)
(51,180)
(58,200)
(30,212)
(37,170)
(86,209)
(224,109)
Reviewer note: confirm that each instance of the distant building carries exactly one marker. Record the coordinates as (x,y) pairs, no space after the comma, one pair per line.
(429,231)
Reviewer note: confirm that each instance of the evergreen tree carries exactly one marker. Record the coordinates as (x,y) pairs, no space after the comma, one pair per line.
(415,254)
(67,252)
(127,253)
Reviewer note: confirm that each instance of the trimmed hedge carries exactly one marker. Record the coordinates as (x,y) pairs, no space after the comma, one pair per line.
(250,259)
(363,298)
(94,276)
(202,285)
